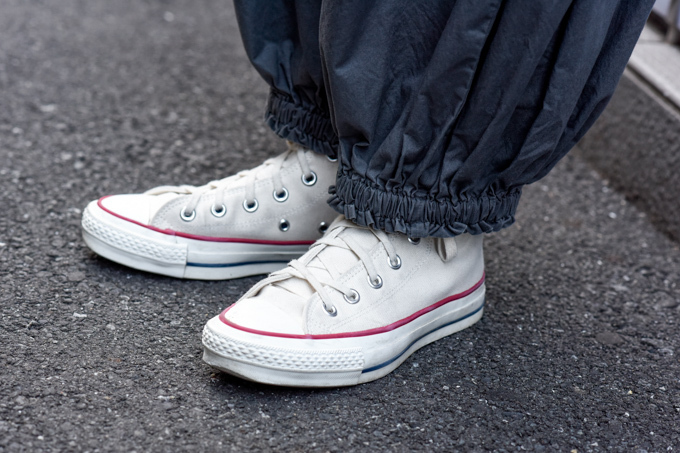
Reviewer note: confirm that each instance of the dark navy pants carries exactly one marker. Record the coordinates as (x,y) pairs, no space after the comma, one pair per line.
(439,111)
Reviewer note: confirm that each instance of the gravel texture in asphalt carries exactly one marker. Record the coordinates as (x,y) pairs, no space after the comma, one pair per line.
(578,349)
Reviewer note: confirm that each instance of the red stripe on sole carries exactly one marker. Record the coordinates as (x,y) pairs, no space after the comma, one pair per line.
(360,333)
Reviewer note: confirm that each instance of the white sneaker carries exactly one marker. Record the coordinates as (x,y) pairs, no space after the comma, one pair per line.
(251,223)
(351,310)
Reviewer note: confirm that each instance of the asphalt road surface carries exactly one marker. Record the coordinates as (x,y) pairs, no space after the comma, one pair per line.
(578,349)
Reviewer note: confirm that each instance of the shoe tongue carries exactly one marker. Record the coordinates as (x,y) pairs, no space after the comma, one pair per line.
(341,259)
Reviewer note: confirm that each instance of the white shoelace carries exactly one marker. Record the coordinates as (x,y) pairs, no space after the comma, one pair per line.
(248,178)
(328,279)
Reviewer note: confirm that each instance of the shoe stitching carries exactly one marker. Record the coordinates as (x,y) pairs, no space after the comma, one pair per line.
(385,299)
(313,321)
(171,207)
(229,226)
(162,218)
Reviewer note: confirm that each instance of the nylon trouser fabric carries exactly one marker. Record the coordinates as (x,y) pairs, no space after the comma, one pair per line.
(439,111)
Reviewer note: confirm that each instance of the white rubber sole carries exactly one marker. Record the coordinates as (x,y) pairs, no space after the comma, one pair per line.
(335,362)
(142,248)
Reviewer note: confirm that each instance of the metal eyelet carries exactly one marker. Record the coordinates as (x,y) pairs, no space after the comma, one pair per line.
(375,284)
(251,207)
(284,225)
(218,212)
(396,265)
(281,196)
(332,312)
(187,218)
(323,227)
(414,241)
(309,180)
(332,159)
(354,296)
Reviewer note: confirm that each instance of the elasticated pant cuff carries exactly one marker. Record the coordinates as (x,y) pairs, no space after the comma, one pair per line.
(372,206)
(305,125)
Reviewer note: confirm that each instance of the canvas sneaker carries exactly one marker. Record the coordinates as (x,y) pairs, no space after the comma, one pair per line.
(251,223)
(350,310)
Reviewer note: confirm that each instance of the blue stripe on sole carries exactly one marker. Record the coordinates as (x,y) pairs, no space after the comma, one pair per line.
(384,364)
(246,263)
